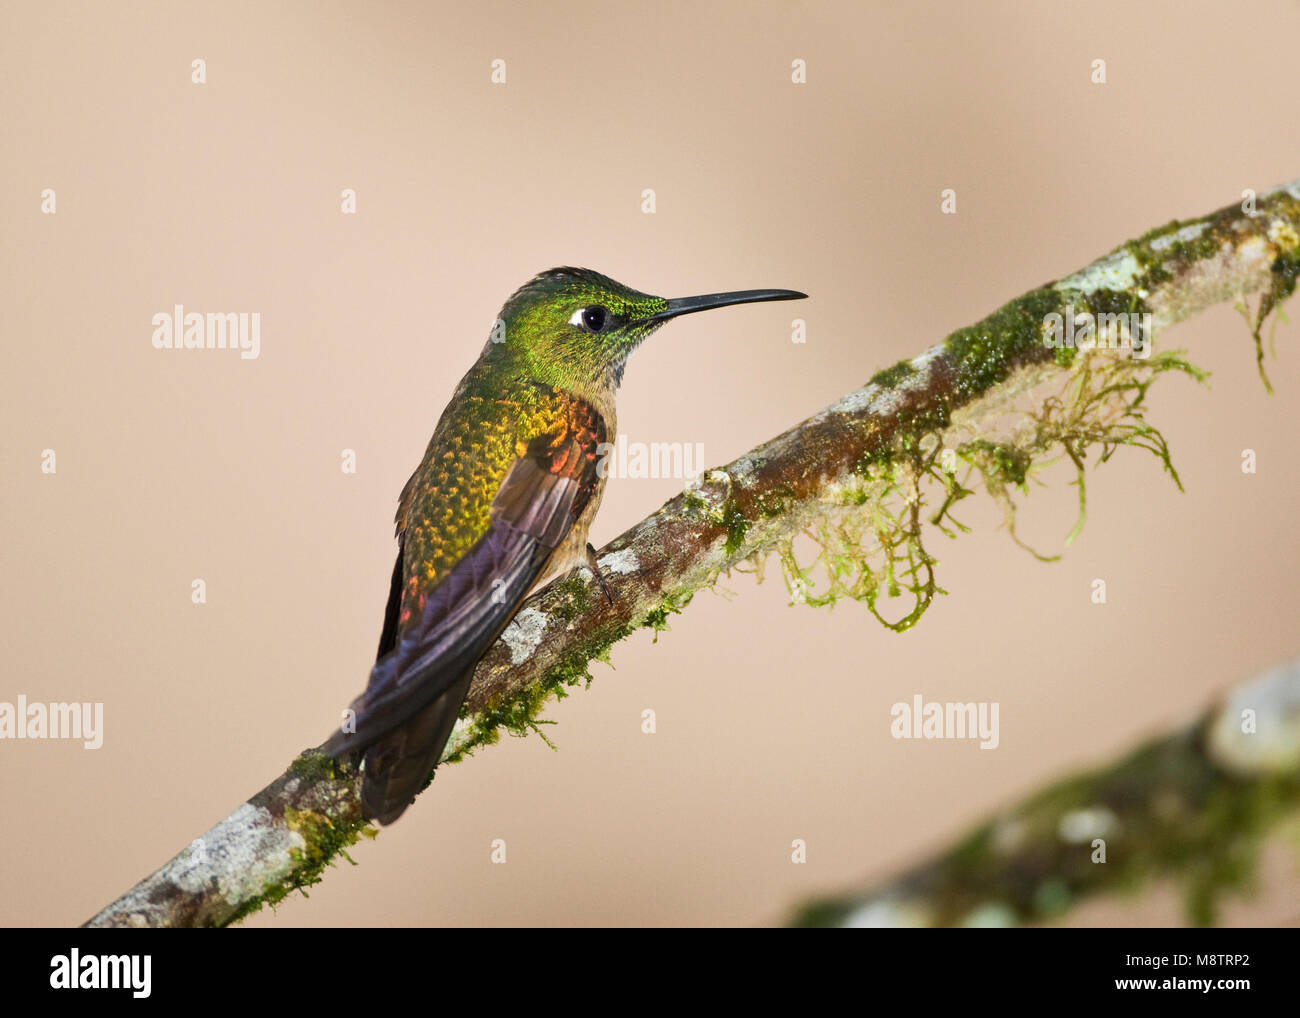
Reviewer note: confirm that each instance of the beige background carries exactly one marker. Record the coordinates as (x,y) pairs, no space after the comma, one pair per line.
(773,720)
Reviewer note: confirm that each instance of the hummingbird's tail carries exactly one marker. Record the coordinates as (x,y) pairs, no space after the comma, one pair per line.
(399,765)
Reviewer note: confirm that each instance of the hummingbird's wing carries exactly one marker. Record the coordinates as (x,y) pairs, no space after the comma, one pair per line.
(417,687)
(388,635)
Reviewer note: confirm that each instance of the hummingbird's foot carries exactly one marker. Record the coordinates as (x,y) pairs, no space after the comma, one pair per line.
(595,568)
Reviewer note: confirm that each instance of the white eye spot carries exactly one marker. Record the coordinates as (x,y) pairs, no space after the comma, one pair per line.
(577,318)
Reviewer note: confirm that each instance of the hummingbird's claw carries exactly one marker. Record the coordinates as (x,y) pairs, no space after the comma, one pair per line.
(595,568)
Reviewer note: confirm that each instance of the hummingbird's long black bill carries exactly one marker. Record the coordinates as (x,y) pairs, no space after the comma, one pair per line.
(706,302)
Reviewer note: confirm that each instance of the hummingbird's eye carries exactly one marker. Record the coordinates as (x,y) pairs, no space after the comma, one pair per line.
(593,319)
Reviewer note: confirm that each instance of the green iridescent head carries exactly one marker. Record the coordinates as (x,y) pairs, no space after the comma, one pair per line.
(572,324)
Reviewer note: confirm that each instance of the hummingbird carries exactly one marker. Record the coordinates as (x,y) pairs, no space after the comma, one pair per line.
(502,501)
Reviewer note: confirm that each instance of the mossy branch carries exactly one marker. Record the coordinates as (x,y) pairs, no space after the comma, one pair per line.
(992,403)
(1194,806)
